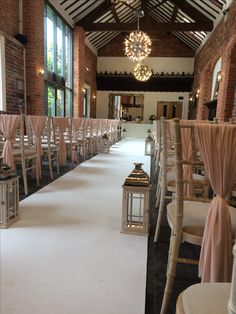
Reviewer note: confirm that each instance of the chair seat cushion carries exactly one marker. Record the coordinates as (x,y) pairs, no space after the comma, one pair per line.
(27,152)
(194,219)
(52,146)
(204,298)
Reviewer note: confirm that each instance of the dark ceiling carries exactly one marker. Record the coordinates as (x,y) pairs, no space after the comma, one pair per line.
(188,20)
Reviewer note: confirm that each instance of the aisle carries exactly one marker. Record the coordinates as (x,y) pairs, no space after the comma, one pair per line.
(66,254)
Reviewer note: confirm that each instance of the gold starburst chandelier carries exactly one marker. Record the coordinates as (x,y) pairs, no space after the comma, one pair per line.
(137,44)
(142,72)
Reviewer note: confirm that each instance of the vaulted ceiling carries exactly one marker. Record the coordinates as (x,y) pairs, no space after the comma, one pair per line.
(188,20)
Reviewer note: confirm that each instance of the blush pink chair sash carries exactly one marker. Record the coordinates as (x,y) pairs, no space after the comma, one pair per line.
(8,125)
(61,124)
(217,145)
(76,124)
(38,123)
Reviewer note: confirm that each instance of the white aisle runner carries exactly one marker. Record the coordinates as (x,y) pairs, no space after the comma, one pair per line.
(66,254)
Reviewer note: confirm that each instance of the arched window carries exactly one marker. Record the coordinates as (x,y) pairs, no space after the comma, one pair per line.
(216,79)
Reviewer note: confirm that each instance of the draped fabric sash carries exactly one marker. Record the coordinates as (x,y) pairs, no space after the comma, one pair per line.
(38,123)
(61,124)
(8,126)
(76,124)
(217,144)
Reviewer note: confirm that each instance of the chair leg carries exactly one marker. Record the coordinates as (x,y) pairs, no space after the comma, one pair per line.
(24,177)
(57,160)
(172,262)
(50,165)
(160,213)
(37,172)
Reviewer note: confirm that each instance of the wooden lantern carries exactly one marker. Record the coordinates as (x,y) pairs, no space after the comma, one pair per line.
(9,195)
(135,207)
(124,135)
(149,144)
(105,147)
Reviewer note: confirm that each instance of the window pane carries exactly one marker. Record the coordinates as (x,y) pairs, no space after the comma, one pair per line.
(67,61)
(50,40)
(59,49)
(68,58)
(60,103)
(51,101)
(68,103)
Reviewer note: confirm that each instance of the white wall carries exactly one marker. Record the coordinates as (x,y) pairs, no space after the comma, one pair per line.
(158,65)
(150,102)
(121,64)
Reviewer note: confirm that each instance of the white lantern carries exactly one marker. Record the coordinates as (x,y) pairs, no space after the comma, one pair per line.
(105,145)
(124,135)
(149,144)
(9,196)
(135,207)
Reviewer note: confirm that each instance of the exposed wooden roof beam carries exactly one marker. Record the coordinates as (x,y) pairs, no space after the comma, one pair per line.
(113,10)
(192,12)
(156,5)
(144,4)
(148,27)
(174,13)
(96,13)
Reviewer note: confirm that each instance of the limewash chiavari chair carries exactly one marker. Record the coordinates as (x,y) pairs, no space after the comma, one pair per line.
(82,140)
(34,128)
(157,143)
(76,124)
(50,147)
(186,218)
(166,180)
(95,134)
(8,126)
(205,298)
(61,128)
(89,136)
(24,153)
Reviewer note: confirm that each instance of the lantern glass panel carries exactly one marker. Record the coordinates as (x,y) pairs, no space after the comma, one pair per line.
(148,147)
(135,210)
(10,200)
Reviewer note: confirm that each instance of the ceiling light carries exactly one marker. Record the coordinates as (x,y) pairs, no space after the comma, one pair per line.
(142,72)
(137,44)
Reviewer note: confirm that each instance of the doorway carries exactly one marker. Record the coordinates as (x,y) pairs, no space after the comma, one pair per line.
(169,109)
(86,101)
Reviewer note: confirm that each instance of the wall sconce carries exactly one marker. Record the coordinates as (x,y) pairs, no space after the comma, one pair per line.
(191,99)
(41,72)
(94,97)
(198,92)
(84,91)
(219,76)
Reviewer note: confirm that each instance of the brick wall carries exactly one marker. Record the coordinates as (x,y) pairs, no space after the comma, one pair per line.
(222,43)
(163,45)
(34,30)
(14,67)
(90,78)
(14,62)
(78,70)
(9,17)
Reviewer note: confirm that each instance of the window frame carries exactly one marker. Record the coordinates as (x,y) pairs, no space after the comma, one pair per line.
(52,78)
(2,74)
